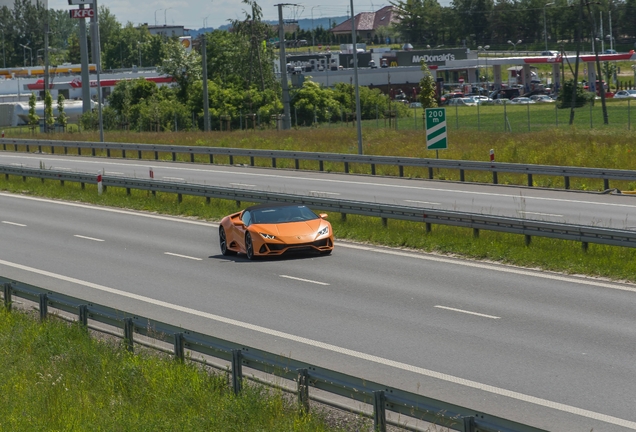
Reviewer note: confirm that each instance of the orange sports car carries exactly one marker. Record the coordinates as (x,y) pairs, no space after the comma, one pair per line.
(274,229)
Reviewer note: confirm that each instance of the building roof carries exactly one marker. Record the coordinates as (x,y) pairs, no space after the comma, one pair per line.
(368,21)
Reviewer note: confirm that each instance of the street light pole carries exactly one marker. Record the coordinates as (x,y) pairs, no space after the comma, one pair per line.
(484,49)
(514,45)
(545,25)
(164,16)
(4,59)
(313,29)
(156,16)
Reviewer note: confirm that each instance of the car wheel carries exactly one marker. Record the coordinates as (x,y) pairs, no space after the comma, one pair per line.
(249,246)
(223,243)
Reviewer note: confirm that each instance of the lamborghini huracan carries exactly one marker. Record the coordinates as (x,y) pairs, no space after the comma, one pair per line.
(275,229)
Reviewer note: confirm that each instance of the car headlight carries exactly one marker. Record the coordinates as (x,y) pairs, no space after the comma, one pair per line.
(268,236)
(324,231)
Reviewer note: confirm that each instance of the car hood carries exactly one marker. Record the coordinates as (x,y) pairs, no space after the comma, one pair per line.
(306,230)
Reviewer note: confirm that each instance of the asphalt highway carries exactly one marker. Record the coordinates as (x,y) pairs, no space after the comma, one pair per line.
(545,349)
(604,210)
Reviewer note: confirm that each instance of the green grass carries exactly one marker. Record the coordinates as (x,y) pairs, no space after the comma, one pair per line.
(55,377)
(611,262)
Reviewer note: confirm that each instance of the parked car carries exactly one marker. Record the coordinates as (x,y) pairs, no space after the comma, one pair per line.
(610,51)
(542,98)
(501,101)
(462,102)
(623,94)
(448,96)
(550,53)
(482,100)
(415,105)
(522,101)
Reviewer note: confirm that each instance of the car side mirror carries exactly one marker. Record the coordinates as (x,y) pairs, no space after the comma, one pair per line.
(239,223)
(323,215)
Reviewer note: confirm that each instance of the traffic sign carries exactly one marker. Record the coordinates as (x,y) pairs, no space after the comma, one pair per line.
(82,13)
(436,138)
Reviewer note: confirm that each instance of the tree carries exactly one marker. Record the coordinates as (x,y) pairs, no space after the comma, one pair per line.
(49,120)
(185,67)
(34,119)
(62,117)
(427,92)
(418,20)
(564,100)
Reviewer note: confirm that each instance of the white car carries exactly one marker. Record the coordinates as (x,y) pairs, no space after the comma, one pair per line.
(522,101)
(462,102)
(482,100)
(623,94)
(542,99)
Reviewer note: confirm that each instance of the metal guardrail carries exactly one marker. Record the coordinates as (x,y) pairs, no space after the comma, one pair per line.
(462,166)
(581,233)
(306,376)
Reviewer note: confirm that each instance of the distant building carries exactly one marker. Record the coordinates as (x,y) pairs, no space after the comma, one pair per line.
(367,23)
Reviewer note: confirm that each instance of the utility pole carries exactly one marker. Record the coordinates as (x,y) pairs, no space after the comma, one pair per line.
(575,83)
(355,77)
(98,67)
(86,85)
(598,65)
(283,67)
(206,101)
(46,57)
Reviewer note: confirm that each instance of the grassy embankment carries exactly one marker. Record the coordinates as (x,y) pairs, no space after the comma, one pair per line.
(54,377)
(596,148)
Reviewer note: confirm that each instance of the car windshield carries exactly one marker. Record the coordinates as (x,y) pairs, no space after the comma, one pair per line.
(282,214)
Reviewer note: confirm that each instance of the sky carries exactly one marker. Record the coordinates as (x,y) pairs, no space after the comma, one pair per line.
(193,13)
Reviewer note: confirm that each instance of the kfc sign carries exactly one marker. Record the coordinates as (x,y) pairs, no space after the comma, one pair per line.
(82,13)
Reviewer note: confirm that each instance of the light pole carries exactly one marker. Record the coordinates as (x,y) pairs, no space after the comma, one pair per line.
(313,29)
(24,48)
(545,25)
(156,16)
(514,44)
(139,49)
(164,15)
(634,69)
(484,49)
(205,22)
(4,59)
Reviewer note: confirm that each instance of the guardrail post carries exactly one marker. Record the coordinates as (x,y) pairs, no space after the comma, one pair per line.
(428,227)
(82,185)
(28,148)
(93,151)
(430,173)
(107,152)
(530,182)
(346,167)
(123,154)
(61,182)
(585,246)
(178,347)
(372,169)
(606,184)
(379,413)
(79,151)
(494,178)
(303,389)
(15,147)
(127,191)
(401,168)
(251,160)
(528,239)
(39,149)
(384,222)
(44,306)
(461,175)
(566,179)
(129,329)
(237,370)
(8,291)
(238,203)
(174,157)
(179,198)
(83,315)
(320,166)
(475,232)
(65,150)
(191,157)
(207,200)
(23,178)
(211,158)
(343,217)
(156,155)
(297,164)
(273,162)
(52,149)
(138,154)
(469,424)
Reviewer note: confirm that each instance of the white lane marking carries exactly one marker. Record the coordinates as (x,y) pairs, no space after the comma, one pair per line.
(13,223)
(172,178)
(182,256)
(293,178)
(88,238)
(345,351)
(422,202)
(538,214)
(304,280)
(467,312)
(115,173)
(242,184)
(323,193)
(62,168)
(110,210)
(500,268)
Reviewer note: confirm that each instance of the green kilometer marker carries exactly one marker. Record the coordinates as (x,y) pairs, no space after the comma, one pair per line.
(436,138)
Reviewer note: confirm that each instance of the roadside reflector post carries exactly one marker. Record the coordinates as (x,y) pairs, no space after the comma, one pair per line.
(492,155)
(100,186)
